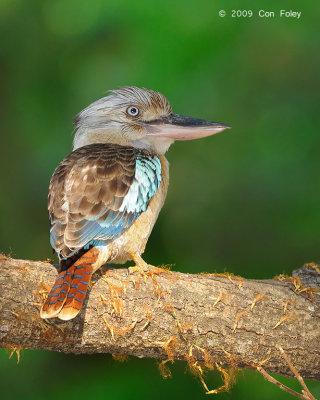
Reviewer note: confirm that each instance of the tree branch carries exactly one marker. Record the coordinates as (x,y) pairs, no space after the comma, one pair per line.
(217,319)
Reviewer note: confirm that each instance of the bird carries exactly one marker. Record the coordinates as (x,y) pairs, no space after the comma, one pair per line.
(105,196)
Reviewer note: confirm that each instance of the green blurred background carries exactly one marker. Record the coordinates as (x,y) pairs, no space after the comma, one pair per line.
(245,201)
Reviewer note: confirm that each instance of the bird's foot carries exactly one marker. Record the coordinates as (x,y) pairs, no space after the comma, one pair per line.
(142,267)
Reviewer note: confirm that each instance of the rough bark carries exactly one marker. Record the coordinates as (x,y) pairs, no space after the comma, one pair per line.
(217,319)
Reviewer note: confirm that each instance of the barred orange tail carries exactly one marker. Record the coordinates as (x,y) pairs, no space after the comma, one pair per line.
(69,291)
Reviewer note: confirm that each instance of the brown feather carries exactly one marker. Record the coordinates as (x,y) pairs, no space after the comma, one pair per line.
(88,181)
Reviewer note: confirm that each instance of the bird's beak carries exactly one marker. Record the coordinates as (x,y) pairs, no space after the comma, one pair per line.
(179,127)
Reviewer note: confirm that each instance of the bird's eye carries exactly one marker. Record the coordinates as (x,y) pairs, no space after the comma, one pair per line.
(133,111)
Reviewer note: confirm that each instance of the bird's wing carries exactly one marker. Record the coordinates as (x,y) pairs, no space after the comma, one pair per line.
(96,193)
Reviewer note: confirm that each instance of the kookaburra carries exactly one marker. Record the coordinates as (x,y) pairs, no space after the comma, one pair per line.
(105,196)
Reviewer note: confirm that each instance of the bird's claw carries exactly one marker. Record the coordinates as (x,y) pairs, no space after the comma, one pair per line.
(141,269)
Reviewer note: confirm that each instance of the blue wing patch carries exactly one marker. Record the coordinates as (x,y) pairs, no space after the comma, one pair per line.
(145,185)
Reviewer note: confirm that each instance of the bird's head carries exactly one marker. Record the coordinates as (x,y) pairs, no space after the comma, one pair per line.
(138,117)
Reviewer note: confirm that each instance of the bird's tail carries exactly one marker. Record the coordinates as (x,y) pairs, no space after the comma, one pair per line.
(69,291)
